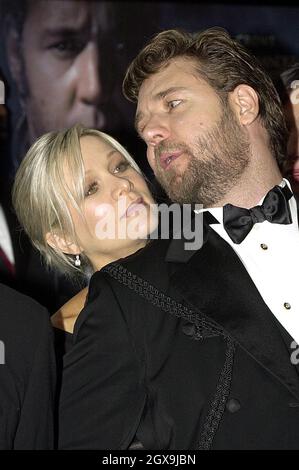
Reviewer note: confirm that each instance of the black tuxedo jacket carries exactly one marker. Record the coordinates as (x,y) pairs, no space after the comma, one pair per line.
(27,373)
(178,349)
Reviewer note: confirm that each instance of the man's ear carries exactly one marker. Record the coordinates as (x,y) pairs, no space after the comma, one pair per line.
(13,53)
(245,102)
(66,246)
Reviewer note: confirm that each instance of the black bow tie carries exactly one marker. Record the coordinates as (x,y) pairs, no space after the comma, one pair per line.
(238,221)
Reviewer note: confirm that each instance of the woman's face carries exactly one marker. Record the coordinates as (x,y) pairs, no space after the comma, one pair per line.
(118,215)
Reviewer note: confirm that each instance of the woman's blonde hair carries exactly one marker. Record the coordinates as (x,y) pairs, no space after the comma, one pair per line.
(41,194)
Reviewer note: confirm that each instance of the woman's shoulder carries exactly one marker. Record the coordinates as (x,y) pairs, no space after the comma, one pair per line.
(65,318)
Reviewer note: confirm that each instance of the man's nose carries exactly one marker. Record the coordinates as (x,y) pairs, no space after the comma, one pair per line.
(156,130)
(89,88)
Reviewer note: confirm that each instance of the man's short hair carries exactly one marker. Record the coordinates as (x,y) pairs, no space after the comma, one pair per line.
(220,61)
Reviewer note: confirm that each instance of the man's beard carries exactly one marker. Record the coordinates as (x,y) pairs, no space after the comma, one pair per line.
(216,162)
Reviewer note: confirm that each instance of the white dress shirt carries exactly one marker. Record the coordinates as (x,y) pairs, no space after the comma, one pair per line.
(270,254)
(5,240)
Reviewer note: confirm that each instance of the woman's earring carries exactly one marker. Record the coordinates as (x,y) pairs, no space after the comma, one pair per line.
(77,261)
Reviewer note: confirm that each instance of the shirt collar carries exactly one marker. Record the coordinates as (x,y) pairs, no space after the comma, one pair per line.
(217,212)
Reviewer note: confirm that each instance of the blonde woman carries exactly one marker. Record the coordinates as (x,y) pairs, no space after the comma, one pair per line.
(83,202)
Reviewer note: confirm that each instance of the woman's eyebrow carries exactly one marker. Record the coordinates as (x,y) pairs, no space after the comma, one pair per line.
(108,156)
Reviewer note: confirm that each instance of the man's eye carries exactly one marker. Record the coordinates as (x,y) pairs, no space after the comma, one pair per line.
(122,166)
(173,103)
(68,47)
(92,189)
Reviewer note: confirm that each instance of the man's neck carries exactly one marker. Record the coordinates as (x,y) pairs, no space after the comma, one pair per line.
(250,195)
(253,185)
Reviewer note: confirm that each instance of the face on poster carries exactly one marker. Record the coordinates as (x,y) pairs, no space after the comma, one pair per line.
(59,62)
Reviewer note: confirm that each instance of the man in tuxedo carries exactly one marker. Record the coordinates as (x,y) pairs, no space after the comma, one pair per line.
(27,373)
(194,348)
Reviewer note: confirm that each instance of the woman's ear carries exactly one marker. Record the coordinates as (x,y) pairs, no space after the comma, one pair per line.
(63,244)
(245,103)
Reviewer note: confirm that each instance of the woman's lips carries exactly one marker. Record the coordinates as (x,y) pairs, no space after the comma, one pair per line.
(134,207)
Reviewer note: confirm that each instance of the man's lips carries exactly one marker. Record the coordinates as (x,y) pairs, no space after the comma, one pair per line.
(166,158)
(296,175)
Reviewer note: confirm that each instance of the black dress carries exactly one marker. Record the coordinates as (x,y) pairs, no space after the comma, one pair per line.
(180,350)
(63,343)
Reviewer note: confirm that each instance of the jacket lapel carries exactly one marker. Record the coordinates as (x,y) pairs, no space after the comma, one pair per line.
(215,282)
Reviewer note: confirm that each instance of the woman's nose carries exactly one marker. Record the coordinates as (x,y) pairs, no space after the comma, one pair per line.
(122,186)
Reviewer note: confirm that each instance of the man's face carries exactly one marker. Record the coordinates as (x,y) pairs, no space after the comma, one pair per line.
(195,145)
(62,65)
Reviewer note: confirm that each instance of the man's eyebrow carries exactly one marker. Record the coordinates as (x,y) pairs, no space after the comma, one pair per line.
(162,94)
(157,97)
(63,31)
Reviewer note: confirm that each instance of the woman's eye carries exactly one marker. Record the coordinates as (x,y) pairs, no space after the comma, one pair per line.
(92,189)
(173,103)
(122,166)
